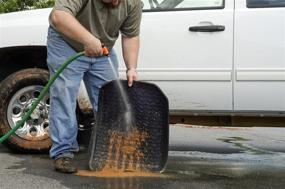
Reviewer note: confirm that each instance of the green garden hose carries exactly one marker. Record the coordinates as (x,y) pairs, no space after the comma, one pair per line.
(41,96)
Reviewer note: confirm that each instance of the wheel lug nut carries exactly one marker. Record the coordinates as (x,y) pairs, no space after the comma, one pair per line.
(33,131)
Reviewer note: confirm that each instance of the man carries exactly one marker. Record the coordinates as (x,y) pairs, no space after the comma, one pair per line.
(85,25)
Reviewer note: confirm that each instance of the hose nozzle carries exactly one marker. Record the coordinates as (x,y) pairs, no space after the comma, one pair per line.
(105,51)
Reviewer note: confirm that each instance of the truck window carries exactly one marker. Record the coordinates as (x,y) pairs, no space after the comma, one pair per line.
(169,5)
(265,3)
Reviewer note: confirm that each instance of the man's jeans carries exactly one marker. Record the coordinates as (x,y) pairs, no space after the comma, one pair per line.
(95,72)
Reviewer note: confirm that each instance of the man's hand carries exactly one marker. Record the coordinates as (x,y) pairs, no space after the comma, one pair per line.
(93,47)
(130,54)
(132,76)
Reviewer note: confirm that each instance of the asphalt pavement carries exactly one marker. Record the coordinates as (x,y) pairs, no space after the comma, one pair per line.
(199,157)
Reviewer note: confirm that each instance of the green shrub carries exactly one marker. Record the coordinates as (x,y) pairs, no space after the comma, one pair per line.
(18,5)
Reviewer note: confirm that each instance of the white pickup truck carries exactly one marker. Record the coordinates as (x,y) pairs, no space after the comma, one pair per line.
(208,56)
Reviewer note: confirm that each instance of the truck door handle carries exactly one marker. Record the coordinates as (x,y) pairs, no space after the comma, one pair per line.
(212,28)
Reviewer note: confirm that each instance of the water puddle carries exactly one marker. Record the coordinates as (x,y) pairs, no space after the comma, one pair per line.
(239,143)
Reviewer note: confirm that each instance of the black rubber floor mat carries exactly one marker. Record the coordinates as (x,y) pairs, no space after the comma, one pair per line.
(144,146)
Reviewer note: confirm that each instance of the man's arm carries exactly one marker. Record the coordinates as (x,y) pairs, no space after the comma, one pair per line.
(67,24)
(130,46)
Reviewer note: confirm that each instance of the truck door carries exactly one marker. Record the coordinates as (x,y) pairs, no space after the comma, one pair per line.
(187,49)
(259,55)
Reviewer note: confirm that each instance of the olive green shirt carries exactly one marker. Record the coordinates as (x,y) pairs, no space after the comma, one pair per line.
(103,22)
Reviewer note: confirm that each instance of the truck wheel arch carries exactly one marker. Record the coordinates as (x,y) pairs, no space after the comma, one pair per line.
(13,59)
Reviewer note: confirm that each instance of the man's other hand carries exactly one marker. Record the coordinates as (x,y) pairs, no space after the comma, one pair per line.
(132,76)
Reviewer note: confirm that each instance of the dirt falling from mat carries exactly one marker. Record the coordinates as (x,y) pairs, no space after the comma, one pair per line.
(125,156)
(115,174)
(125,152)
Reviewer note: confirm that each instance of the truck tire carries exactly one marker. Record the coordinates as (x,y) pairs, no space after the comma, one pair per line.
(17,92)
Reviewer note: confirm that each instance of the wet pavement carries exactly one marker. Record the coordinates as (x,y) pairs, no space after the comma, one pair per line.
(199,157)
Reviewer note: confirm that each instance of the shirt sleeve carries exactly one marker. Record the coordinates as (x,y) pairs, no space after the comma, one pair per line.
(131,26)
(70,6)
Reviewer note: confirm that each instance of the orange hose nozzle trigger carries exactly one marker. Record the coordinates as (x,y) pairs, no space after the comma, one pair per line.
(105,51)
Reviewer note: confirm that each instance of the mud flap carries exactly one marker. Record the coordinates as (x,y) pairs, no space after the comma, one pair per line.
(143,146)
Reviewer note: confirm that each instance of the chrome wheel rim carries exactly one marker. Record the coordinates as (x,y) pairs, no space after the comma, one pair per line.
(37,126)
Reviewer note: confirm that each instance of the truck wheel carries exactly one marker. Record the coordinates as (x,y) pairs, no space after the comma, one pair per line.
(17,92)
